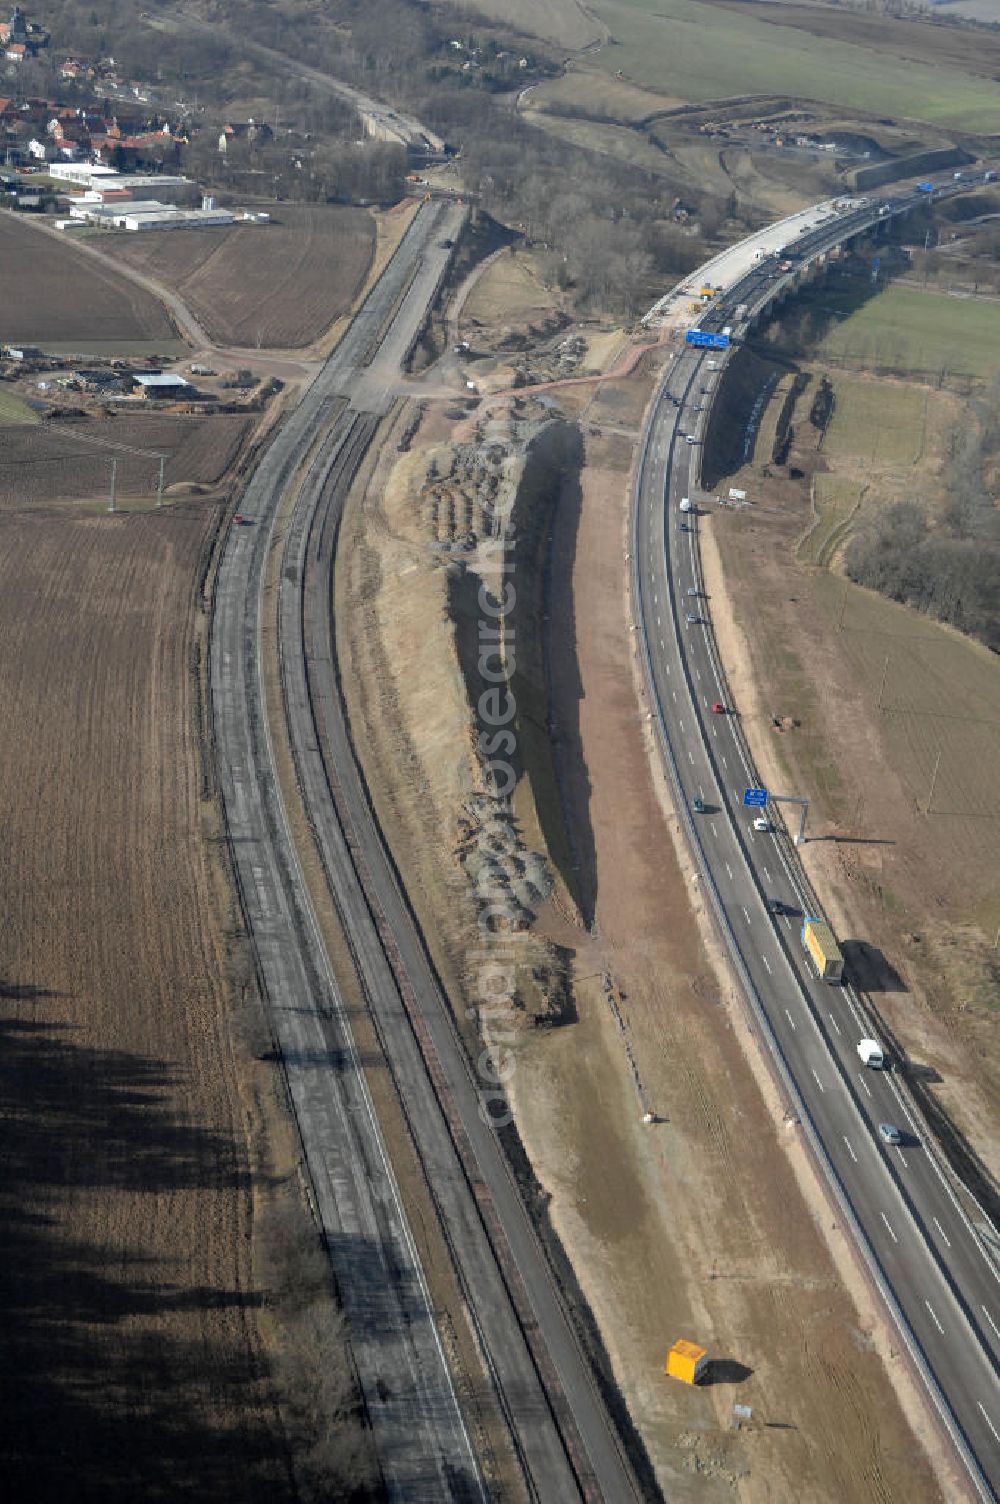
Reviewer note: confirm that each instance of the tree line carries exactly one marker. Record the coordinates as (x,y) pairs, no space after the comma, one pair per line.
(946,564)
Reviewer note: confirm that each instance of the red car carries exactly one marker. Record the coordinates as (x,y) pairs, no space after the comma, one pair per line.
(718,708)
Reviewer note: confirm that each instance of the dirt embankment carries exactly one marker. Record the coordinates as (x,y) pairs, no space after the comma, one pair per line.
(442,541)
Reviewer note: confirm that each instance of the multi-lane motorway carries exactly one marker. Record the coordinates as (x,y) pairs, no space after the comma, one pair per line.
(924,1253)
(559,1429)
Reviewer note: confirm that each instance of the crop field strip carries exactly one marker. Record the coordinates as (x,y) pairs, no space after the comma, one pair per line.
(131,1334)
(69,297)
(269,284)
(51,463)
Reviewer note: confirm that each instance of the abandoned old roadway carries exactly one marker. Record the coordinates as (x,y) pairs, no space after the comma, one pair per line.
(558,1425)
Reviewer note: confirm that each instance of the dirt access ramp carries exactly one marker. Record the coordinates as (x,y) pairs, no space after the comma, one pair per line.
(132,1358)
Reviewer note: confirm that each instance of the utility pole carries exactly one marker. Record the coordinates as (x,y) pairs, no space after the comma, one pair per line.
(159,484)
(881,688)
(111,497)
(930,792)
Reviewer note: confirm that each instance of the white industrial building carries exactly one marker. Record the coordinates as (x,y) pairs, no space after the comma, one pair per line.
(95,176)
(83,174)
(147,214)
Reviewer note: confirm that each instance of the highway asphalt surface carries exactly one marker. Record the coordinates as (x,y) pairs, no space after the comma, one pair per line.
(923,1251)
(558,1424)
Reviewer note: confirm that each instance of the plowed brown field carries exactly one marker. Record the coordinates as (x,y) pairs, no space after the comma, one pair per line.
(131,1364)
(273,286)
(72,461)
(51,292)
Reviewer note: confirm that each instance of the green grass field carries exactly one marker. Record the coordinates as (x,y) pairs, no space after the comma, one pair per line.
(878,421)
(921,332)
(13,410)
(837,499)
(682,48)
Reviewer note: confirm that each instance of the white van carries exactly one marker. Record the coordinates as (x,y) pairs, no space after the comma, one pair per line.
(686,504)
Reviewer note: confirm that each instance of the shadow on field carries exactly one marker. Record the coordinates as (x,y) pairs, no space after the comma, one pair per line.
(851,840)
(96,1402)
(726,1371)
(870,969)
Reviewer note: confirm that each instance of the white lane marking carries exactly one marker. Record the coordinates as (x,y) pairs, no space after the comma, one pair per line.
(674,693)
(850,1150)
(937,1224)
(715,732)
(989,1318)
(766,873)
(790,1018)
(885,1219)
(932,1158)
(667,667)
(730,871)
(659,622)
(724,762)
(690,757)
(864,1083)
(788,922)
(933,1317)
(989,1422)
(819,1082)
(746,913)
(834,1022)
(767,964)
(680,723)
(714,831)
(697,673)
(900,1153)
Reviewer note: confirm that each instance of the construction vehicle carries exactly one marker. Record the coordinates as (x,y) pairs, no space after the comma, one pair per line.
(686,1361)
(706,292)
(872,1054)
(822,949)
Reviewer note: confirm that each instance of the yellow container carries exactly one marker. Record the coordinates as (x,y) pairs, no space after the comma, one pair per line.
(686,1361)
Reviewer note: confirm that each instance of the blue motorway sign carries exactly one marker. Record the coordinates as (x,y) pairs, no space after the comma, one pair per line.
(706,341)
(755,798)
